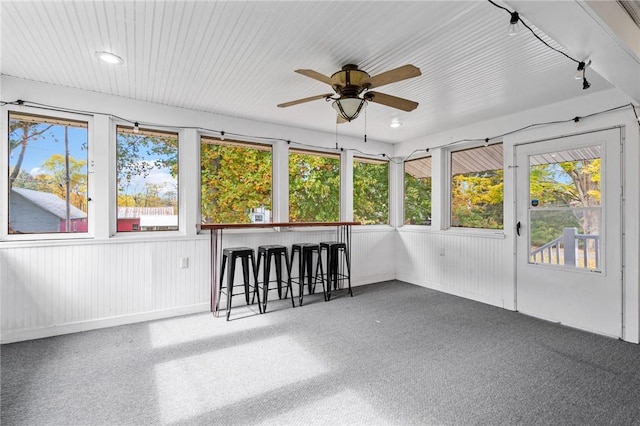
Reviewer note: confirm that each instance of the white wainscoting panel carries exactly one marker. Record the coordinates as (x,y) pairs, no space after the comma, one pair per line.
(62,287)
(465,265)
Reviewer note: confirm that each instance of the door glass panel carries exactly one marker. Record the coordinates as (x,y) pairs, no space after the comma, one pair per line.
(565,214)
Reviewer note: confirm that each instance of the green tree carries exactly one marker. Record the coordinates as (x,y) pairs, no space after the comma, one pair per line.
(55,181)
(477,199)
(21,133)
(371,192)
(572,184)
(137,155)
(417,200)
(314,188)
(134,151)
(234,180)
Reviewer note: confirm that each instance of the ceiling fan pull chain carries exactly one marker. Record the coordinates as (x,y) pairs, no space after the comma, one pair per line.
(365,126)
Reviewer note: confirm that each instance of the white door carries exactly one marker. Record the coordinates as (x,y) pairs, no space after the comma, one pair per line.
(569,221)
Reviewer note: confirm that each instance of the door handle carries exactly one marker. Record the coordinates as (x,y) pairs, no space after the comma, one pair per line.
(518,225)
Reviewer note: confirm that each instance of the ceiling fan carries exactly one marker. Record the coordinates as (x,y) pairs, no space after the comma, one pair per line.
(352,85)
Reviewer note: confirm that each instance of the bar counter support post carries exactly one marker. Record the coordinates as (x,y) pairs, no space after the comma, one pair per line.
(216,242)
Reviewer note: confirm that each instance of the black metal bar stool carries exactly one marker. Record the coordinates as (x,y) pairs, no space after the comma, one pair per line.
(335,273)
(275,252)
(230,255)
(305,268)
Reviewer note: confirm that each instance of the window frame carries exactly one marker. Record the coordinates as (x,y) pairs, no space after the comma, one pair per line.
(404,187)
(447,207)
(367,159)
(323,153)
(239,143)
(4,182)
(114,208)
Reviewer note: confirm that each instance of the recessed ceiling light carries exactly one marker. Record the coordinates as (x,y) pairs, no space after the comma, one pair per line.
(109,58)
(395,123)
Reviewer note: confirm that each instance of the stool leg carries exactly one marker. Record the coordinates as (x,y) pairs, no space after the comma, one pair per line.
(277,259)
(255,282)
(230,275)
(309,267)
(334,268)
(301,264)
(328,274)
(266,272)
(245,275)
(289,287)
(224,262)
(346,255)
(253,299)
(319,265)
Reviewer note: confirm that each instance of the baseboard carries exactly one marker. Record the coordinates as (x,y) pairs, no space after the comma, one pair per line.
(13,336)
(372,279)
(456,292)
(75,327)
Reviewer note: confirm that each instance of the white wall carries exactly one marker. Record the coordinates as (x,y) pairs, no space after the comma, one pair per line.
(481,265)
(55,287)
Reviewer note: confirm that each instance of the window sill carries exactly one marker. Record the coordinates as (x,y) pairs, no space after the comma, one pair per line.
(461,232)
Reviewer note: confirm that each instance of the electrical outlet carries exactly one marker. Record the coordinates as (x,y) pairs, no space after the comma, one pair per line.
(184,262)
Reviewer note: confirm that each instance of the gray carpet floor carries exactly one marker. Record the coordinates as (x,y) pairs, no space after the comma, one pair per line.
(393,354)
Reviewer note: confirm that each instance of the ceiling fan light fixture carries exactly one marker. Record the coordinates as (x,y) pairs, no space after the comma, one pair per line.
(349,108)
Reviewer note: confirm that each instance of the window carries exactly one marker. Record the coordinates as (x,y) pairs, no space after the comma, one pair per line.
(370,191)
(147,173)
(565,212)
(417,191)
(314,186)
(477,187)
(47,174)
(235,181)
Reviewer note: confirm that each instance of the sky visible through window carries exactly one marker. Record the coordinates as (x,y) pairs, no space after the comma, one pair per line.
(40,149)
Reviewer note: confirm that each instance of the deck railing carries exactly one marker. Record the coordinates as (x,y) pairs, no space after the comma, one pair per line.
(570,249)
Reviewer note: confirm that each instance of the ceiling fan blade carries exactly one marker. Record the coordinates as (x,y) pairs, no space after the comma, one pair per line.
(320,77)
(391,101)
(397,74)
(303,100)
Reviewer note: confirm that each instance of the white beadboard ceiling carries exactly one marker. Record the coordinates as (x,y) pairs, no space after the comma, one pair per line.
(237,58)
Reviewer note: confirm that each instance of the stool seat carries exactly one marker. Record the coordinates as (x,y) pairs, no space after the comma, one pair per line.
(273,248)
(230,255)
(237,251)
(275,252)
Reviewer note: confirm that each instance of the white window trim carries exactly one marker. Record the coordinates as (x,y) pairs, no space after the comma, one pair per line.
(355,158)
(113,182)
(344,214)
(279,153)
(456,230)
(402,195)
(4,180)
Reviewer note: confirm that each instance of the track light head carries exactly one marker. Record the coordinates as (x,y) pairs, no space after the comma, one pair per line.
(513,23)
(585,84)
(580,71)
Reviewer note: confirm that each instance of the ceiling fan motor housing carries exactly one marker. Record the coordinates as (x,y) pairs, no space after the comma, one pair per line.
(349,81)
